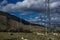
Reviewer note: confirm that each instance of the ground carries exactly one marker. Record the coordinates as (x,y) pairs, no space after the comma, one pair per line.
(29,36)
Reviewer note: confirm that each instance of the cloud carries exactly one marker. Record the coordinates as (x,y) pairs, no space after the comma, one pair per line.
(4,2)
(25,6)
(54,19)
(30,6)
(54,4)
(8,7)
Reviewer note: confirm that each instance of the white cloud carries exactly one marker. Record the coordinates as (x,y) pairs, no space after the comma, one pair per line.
(27,5)
(30,5)
(54,4)
(4,2)
(54,18)
(8,7)
(36,17)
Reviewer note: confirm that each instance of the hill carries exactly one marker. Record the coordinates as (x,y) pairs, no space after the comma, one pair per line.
(10,22)
(13,23)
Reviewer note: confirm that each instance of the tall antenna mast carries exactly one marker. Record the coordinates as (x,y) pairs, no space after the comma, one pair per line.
(48,11)
(47,5)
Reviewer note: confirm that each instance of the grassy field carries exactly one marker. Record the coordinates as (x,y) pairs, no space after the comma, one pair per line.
(29,36)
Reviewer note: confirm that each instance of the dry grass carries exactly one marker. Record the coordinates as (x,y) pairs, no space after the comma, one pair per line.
(29,36)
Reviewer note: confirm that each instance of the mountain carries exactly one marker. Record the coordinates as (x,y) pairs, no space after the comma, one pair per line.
(12,23)
(13,17)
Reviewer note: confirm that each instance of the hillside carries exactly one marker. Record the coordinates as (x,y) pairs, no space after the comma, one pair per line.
(13,23)
(10,22)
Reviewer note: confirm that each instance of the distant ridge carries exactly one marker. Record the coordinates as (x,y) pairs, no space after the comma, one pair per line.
(17,18)
(12,23)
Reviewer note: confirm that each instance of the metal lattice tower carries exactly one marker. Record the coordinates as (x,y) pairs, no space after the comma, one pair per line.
(47,13)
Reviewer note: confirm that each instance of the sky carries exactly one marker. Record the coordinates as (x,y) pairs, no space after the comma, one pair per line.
(33,10)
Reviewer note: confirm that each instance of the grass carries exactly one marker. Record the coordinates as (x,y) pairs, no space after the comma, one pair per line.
(29,36)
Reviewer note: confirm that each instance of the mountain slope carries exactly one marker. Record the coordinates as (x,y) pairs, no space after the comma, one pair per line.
(11,22)
(9,16)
